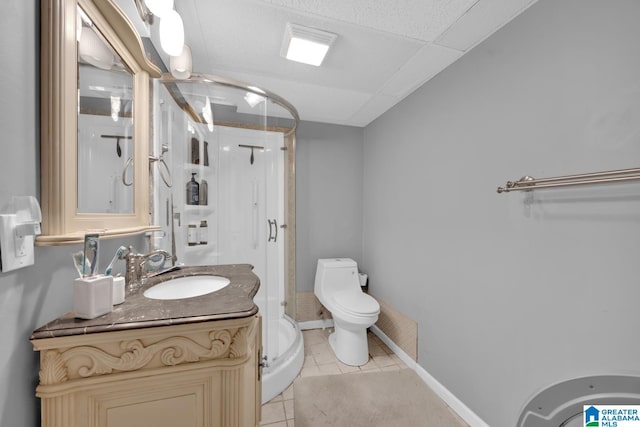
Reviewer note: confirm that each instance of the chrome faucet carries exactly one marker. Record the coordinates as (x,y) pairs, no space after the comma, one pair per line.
(137,270)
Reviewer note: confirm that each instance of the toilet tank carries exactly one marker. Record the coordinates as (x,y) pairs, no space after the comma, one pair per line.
(335,274)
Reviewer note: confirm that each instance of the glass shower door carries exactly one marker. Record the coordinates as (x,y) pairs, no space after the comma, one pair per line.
(250,217)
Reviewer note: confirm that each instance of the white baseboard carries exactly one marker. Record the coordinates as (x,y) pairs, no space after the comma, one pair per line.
(316,324)
(450,399)
(394,347)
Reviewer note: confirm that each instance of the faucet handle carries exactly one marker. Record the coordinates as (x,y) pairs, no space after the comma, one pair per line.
(155,261)
(126,253)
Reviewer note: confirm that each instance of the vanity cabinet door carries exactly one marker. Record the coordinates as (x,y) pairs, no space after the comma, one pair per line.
(185,411)
(185,400)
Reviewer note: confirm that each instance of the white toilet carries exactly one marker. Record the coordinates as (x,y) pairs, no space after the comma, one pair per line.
(337,286)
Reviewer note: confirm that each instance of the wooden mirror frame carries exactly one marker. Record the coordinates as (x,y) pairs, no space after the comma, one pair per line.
(61,222)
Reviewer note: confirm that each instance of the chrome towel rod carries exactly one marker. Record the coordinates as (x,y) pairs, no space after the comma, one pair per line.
(527,183)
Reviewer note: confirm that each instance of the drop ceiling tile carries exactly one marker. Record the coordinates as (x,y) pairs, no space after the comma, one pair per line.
(360,59)
(313,102)
(384,50)
(425,64)
(482,20)
(372,109)
(417,19)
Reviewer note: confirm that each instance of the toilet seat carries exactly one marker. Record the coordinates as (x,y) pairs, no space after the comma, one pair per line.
(356,303)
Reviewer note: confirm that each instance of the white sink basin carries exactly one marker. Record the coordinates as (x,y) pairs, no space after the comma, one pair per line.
(186,287)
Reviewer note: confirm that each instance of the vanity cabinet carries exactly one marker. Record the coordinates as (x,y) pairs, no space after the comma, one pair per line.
(201,374)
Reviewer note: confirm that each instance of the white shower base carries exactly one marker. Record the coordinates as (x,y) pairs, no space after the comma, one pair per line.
(286,366)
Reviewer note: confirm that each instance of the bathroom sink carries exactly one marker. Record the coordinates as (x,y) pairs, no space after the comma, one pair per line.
(186,287)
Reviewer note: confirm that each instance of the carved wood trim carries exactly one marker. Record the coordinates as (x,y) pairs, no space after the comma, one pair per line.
(52,368)
(240,343)
(92,360)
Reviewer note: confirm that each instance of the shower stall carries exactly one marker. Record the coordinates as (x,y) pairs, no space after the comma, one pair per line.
(223,171)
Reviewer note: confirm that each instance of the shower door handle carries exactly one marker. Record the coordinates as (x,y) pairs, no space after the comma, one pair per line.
(272,237)
(275,226)
(254,214)
(270,231)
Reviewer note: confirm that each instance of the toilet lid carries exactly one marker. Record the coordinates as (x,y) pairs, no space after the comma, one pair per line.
(357,303)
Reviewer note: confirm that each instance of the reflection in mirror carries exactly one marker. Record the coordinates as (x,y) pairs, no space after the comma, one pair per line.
(105,125)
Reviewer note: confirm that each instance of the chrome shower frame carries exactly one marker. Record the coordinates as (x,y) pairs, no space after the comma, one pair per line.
(225,81)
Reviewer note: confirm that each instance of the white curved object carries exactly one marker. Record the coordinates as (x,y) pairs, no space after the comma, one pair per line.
(284,369)
(171,31)
(337,286)
(181,65)
(562,404)
(186,287)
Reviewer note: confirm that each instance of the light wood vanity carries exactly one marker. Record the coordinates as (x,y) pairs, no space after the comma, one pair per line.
(150,364)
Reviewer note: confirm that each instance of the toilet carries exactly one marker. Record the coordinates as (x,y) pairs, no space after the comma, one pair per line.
(337,286)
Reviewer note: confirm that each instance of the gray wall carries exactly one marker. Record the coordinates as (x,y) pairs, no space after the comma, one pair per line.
(328,196)
(556,91)
(31,296)
(510,294)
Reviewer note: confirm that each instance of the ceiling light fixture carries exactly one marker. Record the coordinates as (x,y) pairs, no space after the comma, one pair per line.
(171,33)
(181,65)
(306,45)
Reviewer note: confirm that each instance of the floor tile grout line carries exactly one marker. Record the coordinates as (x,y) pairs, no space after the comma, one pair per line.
(320,341)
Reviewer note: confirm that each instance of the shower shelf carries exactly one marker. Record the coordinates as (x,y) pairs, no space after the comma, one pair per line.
(195,166)
(209,249)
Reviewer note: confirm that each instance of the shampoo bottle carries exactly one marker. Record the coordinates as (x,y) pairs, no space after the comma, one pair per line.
(195,151)
(193,191)
(204,232)
(192,234)
(206,153)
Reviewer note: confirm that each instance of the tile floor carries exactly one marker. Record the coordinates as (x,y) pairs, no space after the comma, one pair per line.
(320,360)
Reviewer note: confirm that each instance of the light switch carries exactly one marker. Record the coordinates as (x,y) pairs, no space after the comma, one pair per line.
(15,252)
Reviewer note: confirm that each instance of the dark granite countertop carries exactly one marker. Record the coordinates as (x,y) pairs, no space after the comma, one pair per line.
(137,311)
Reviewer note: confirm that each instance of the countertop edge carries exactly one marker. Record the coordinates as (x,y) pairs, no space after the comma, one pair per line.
(46,334)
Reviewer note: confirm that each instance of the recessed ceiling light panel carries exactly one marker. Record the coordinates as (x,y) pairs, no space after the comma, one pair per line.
(306,45)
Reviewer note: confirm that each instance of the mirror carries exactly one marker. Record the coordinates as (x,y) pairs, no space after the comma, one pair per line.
(95,84)
(105,125)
